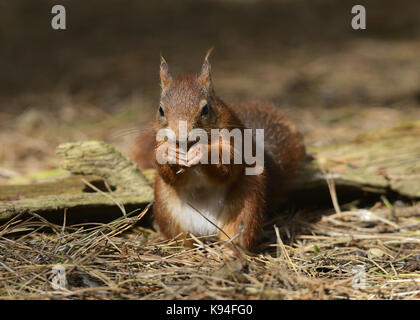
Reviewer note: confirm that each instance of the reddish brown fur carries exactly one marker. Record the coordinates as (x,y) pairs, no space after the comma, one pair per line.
(248,196)
(284,148)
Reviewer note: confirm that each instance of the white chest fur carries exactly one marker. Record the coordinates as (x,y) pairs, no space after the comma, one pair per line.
(201,195)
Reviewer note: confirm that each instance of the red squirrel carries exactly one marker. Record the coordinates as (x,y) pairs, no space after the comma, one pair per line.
(216,198)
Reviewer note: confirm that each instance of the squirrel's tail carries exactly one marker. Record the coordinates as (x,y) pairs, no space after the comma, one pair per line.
(142,151)
(284,150)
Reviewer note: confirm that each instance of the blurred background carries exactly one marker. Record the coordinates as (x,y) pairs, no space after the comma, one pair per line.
(99,78)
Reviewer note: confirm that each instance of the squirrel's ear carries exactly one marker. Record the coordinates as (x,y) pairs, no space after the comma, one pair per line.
(165,77)
(205,76)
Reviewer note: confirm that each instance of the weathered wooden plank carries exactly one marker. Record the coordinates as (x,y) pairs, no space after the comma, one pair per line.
(101,159)
(383,159)
(54,202)
(90,161)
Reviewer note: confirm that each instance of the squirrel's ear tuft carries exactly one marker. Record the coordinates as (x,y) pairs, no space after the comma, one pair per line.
(205,76)
(165,77)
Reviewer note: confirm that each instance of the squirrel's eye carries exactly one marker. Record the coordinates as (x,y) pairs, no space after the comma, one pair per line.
(205,110)
(161,111)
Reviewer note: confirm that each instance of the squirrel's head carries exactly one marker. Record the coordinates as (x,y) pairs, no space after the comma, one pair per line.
(188,98)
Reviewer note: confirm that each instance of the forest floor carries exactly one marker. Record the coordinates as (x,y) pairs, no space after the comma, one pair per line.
(369,250)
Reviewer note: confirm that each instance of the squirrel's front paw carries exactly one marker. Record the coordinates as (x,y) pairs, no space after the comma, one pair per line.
(176,155)
(196,154)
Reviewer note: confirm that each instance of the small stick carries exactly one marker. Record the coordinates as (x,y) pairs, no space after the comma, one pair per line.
(280,242)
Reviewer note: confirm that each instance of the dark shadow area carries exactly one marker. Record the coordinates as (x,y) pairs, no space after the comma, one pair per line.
(100,185)
(111,48)
(304,209)
(86,217)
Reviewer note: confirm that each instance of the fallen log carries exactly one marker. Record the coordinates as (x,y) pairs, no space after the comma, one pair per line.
(92,163)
